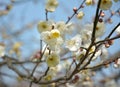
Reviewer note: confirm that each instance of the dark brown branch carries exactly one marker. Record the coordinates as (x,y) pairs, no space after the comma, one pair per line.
(90,58)
(95,22)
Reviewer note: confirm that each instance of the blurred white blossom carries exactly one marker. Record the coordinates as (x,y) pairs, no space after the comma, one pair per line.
(117,63)
(55,33)
(51,5)
(52,59)
(79,54)
(105,4)
(2,49)
(104,53)
(80,15)
(88,2)
(43,26)
(100,29)
(74,44)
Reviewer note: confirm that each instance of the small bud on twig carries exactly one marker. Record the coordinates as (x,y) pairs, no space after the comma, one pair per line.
(102,14)
(75,10)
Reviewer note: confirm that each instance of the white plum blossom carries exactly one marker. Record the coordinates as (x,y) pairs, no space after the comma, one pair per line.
(64,28)
(118,29)
(2,49)
(52,38)
(57,45)
(106,4)
(97,54)
(92,49)
(55,33)
(86,35)
(104,53)
(79,54)
(69,27)
(48,78)
(89,26)
(43,26)
(87,30)
(100,29)
(52,59)
(117,63)
(51,5)
(74,44)
(80,15)
(61,26)
(88,2)
(45,36)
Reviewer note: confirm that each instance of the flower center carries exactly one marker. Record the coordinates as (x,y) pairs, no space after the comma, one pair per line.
(104,1)
(51,59)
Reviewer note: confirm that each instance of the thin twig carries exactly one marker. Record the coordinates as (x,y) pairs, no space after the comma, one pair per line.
(69,18)
(113,30)
(108,61)
(44,74)
(46,15)
(113,38)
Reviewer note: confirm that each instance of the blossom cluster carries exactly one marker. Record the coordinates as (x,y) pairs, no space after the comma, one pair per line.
(59,36)
(55,35)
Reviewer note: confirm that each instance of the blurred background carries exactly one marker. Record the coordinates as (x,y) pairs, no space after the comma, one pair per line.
(18,28)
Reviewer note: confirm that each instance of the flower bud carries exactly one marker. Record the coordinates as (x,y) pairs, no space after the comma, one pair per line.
(102,14)
(100,20)
(107,45)
(75,9)
(110,42)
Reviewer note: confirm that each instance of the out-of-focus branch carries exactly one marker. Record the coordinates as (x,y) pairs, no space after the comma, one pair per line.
(115,76)
(112,14)
(9,64)
(106,62)
(15,61)
(16,2)
(44,74)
